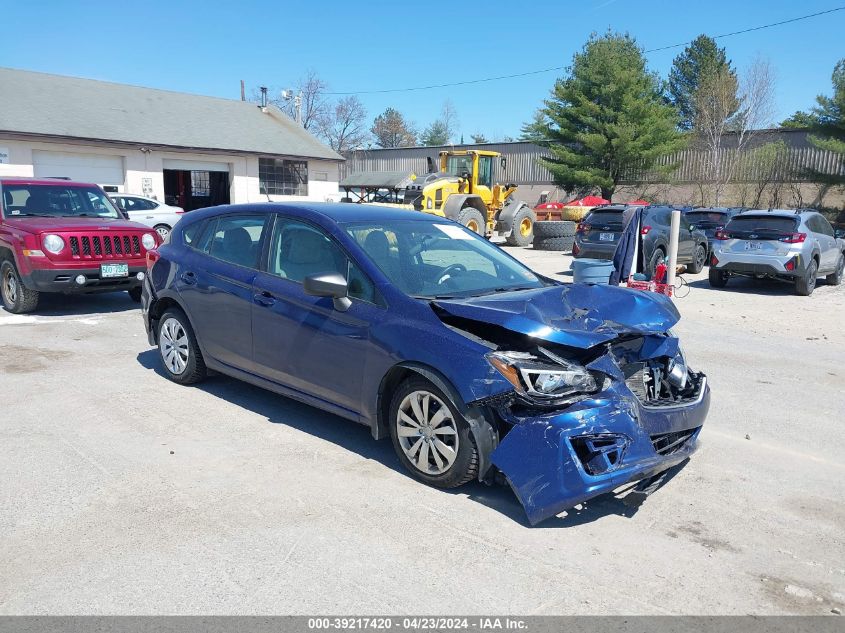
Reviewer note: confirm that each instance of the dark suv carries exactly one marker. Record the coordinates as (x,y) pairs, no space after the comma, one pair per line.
(711,219)
(598,234)
(67,237)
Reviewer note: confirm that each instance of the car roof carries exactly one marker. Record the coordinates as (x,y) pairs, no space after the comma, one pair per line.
(337,212)
(18,180)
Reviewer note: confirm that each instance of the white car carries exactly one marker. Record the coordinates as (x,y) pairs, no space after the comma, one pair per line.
(148,211)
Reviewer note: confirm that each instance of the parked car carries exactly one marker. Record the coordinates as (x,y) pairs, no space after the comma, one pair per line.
(792,246)
(67,237)
(149,211)
(598,234)
(427,333)
(710,219)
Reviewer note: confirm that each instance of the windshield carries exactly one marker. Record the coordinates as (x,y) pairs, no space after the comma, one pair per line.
(707,218)
(435,260)
(761,225)
(57,201)
(459,165)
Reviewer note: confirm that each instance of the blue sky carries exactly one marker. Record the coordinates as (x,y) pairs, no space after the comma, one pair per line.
(208,47)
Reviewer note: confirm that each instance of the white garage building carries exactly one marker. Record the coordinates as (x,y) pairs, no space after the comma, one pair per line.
(189,150)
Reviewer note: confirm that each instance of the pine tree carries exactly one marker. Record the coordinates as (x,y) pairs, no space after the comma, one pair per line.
(828,129)
(607,117)
(435,134)
(689,69)
(391,130)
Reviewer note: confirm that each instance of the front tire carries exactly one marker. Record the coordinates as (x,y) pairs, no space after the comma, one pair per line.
(471,218)
(656,256)
(805,284)
(698,260)
(522,232)
(177,345)
(17,298)
(430,436)
(835,278)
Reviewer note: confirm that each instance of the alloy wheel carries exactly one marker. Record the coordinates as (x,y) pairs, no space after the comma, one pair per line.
(163,231)
(427,432)
(173,345)
(10,286)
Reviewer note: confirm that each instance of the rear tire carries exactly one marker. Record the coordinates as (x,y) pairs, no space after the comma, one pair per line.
(717,278)
(698,261)
(471,218)
(180,354)
(425,447)
(835,278)
(805,284)
(17,298)
(163,230)
(656,256)
(522,233)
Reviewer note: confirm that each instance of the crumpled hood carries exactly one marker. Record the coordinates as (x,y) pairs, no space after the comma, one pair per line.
(577,315)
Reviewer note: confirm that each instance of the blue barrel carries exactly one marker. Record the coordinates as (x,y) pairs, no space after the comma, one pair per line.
(591,271)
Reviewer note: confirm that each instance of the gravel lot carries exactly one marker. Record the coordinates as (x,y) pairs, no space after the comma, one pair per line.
(123,493)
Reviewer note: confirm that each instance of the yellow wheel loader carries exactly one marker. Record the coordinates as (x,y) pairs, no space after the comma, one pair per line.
(462,190)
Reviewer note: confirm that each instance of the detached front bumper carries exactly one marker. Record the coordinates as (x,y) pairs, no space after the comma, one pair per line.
(558,460)
(64,280)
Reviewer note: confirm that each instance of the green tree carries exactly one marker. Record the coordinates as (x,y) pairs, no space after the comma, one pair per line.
(689,69)
(537,129)
(828,129)
(391,130)
(479,138)
(607,117)
(799,120)
(435,134)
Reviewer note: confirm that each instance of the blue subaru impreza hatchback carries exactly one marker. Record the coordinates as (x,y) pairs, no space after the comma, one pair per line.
(409,323)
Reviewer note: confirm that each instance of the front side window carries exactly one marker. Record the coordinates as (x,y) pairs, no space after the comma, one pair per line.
(283,177)
(459,166)
(57,201)
(299,250)
(435,259)
(237,239)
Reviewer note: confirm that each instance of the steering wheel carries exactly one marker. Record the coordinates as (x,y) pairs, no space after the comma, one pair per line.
(446,272)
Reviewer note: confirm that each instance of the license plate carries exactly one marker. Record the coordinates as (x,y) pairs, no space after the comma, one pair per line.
(753,246)
(108,271)
(607,237)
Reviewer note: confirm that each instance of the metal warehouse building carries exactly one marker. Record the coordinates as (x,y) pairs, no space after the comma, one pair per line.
(189,150)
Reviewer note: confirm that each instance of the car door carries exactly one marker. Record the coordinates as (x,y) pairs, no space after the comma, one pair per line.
(215,282)
(828,253)
(686,240)
(302,341)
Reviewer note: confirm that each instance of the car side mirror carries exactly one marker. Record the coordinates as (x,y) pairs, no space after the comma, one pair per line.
(840,233)
(329,285)
(504,163)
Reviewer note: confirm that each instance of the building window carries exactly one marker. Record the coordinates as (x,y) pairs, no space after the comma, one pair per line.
(321,175)
(283,177)
(200,184)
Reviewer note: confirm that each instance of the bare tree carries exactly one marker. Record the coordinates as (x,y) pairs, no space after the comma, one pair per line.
(449,117)
(722,106)
(344,125)
(311,90)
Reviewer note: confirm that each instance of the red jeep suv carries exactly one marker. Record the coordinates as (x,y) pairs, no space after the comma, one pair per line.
(68,237)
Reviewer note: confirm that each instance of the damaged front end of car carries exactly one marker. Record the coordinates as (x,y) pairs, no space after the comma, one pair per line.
(599,398)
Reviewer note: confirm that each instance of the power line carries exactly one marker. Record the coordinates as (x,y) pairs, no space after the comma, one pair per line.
(553,68)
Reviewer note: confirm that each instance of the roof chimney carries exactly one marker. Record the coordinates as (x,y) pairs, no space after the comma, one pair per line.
(263,97)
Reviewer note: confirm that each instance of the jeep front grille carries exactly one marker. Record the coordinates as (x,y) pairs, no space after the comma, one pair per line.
(102,246)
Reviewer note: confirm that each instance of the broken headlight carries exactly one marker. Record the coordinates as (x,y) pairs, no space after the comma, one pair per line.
(541,378)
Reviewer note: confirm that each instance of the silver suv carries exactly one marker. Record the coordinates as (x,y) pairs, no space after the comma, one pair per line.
(793,246)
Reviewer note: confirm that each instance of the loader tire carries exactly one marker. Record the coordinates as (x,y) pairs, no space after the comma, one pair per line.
(563,244)
(553,228)
(522,233)
(471,218)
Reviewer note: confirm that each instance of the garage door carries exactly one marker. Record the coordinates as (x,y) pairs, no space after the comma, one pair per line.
(100,169)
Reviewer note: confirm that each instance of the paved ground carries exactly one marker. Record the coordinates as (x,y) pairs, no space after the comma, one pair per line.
(121,492)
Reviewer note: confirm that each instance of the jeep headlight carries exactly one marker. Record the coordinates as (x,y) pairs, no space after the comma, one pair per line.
(148,241)
(540,378)
(54,244)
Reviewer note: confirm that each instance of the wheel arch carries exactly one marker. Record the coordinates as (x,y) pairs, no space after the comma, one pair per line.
(161,305)
(454,203)
(483,431)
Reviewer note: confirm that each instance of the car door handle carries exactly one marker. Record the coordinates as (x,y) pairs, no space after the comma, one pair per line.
(189,278)
(264,299)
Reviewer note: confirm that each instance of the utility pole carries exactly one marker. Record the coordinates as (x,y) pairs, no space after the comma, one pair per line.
(287,95)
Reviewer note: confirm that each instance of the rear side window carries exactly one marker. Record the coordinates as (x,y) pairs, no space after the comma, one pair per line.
(762,224)
(237,239)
